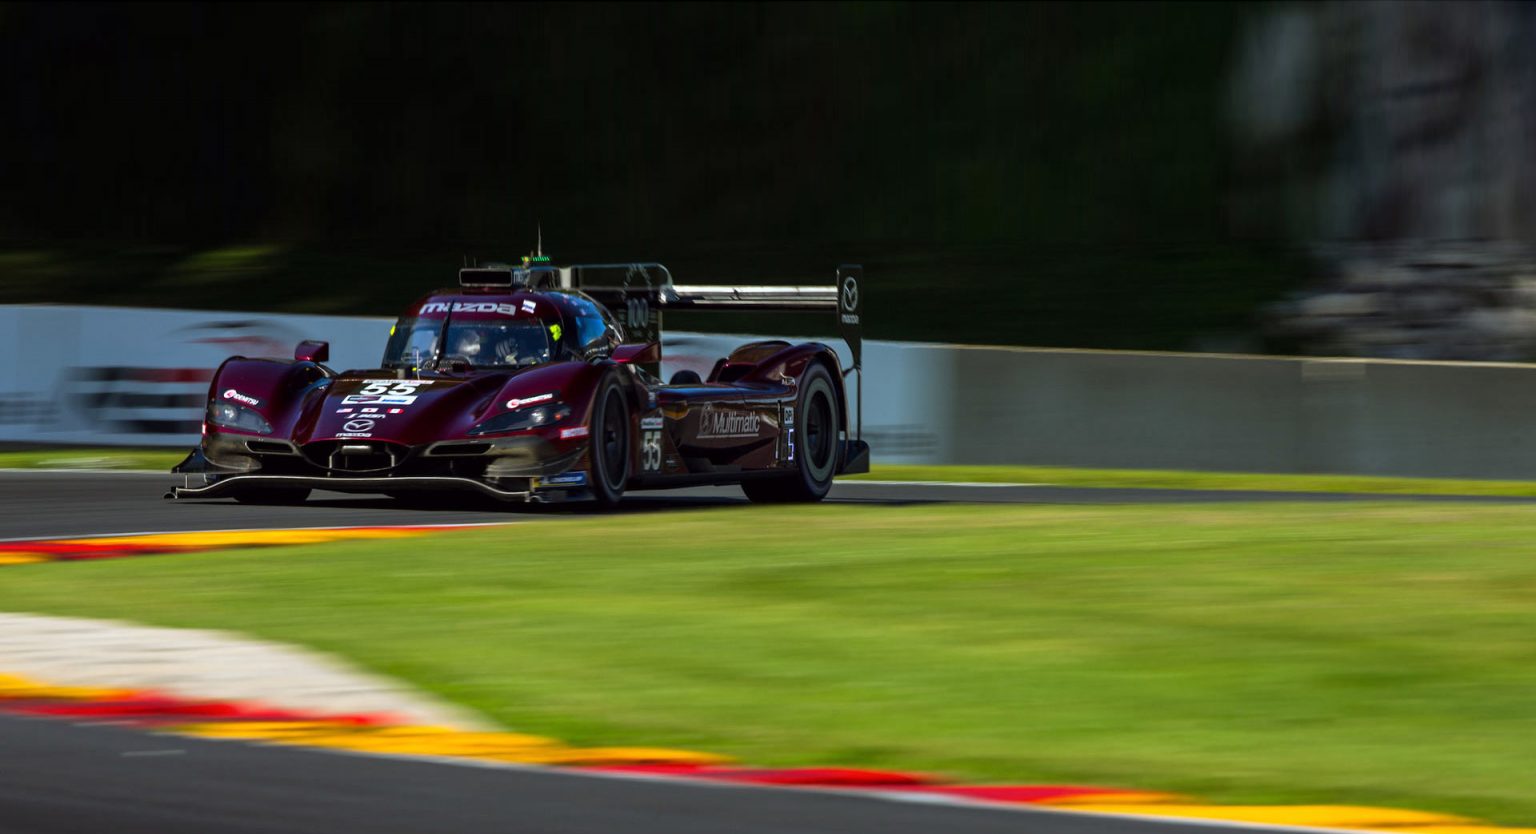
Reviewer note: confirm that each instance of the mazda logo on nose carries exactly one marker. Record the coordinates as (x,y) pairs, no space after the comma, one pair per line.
(358,425)
(850,294)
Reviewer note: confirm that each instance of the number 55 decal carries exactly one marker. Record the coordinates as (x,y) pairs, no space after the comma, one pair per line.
(650,451)
(392,387)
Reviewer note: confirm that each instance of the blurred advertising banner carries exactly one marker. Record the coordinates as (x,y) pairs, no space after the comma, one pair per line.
(121,376)
(124,376)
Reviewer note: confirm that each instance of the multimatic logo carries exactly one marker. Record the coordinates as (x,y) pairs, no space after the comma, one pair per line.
(721,423)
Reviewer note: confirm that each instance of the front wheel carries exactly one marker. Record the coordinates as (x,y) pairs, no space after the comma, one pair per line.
(609,470)
(816,445)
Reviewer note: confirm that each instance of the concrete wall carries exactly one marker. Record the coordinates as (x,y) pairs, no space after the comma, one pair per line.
(125,376)
(1239,413)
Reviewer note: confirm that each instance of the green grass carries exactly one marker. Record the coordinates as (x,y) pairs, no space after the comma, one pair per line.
(142,459)
(1364,654)
(1172,479)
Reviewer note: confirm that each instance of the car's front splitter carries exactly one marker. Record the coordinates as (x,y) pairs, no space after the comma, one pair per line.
(234,484)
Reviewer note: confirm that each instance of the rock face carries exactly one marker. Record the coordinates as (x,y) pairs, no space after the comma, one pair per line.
(1470,301)
(1410,126)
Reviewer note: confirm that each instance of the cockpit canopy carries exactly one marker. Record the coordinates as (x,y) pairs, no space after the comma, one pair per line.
(421,342)
(500,332)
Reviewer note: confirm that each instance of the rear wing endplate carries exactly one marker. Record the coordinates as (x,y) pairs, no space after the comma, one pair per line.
(638,293)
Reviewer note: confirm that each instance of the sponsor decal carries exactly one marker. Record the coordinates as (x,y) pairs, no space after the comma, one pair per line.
(554,332)
(396,410)
(568,479)
(519,403)
(386,399)
(474,307)
(651,423)
(720,423)
(370,411)
(232,394)
(529,306)
(358,425)
(353,434)
(850,295)
(343,411)
(578,431)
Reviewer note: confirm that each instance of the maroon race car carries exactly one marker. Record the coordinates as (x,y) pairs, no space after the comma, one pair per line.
(540,383)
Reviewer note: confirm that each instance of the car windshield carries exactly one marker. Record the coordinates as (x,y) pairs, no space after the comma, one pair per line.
(506,343)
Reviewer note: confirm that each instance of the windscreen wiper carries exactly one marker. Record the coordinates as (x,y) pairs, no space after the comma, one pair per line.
(442,342)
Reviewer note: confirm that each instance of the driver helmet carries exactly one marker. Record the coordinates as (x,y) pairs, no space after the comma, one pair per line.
(467,343)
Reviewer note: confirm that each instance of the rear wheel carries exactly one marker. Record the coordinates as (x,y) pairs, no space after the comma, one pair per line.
(816,445)
(272,496)
(609,453)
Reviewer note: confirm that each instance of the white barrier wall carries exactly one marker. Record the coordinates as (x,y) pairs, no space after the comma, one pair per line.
(126,376)
(123,376)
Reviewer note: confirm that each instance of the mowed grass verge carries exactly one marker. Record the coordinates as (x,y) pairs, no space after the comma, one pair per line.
(1182,479)
(163,460)
(160,460)
(1363,654)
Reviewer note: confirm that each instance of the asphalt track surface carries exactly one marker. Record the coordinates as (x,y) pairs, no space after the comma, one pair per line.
(57,777)
(60,778)
(38,504)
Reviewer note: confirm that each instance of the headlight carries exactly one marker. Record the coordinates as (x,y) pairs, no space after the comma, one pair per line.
(531,417)
(233,416)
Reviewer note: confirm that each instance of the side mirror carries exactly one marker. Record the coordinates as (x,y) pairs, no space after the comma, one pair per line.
(308,351)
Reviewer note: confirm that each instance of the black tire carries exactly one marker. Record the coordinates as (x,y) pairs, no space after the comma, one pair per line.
(609,453)
(272,496)
(817,447)
(686,378)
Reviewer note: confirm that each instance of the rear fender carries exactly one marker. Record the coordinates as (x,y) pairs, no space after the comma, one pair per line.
(787,365)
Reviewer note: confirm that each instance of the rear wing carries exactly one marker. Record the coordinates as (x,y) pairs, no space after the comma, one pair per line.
(638,293)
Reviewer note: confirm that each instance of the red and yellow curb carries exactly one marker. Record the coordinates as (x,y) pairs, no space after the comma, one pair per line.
(388,735)
(117,547)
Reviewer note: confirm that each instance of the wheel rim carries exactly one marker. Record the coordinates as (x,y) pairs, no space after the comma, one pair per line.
(613,440)
(819,434)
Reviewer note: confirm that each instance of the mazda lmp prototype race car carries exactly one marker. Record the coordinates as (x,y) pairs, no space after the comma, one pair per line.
(539,383)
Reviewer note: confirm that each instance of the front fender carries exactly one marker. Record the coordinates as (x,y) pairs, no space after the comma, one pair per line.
(573,383)
(272,388)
